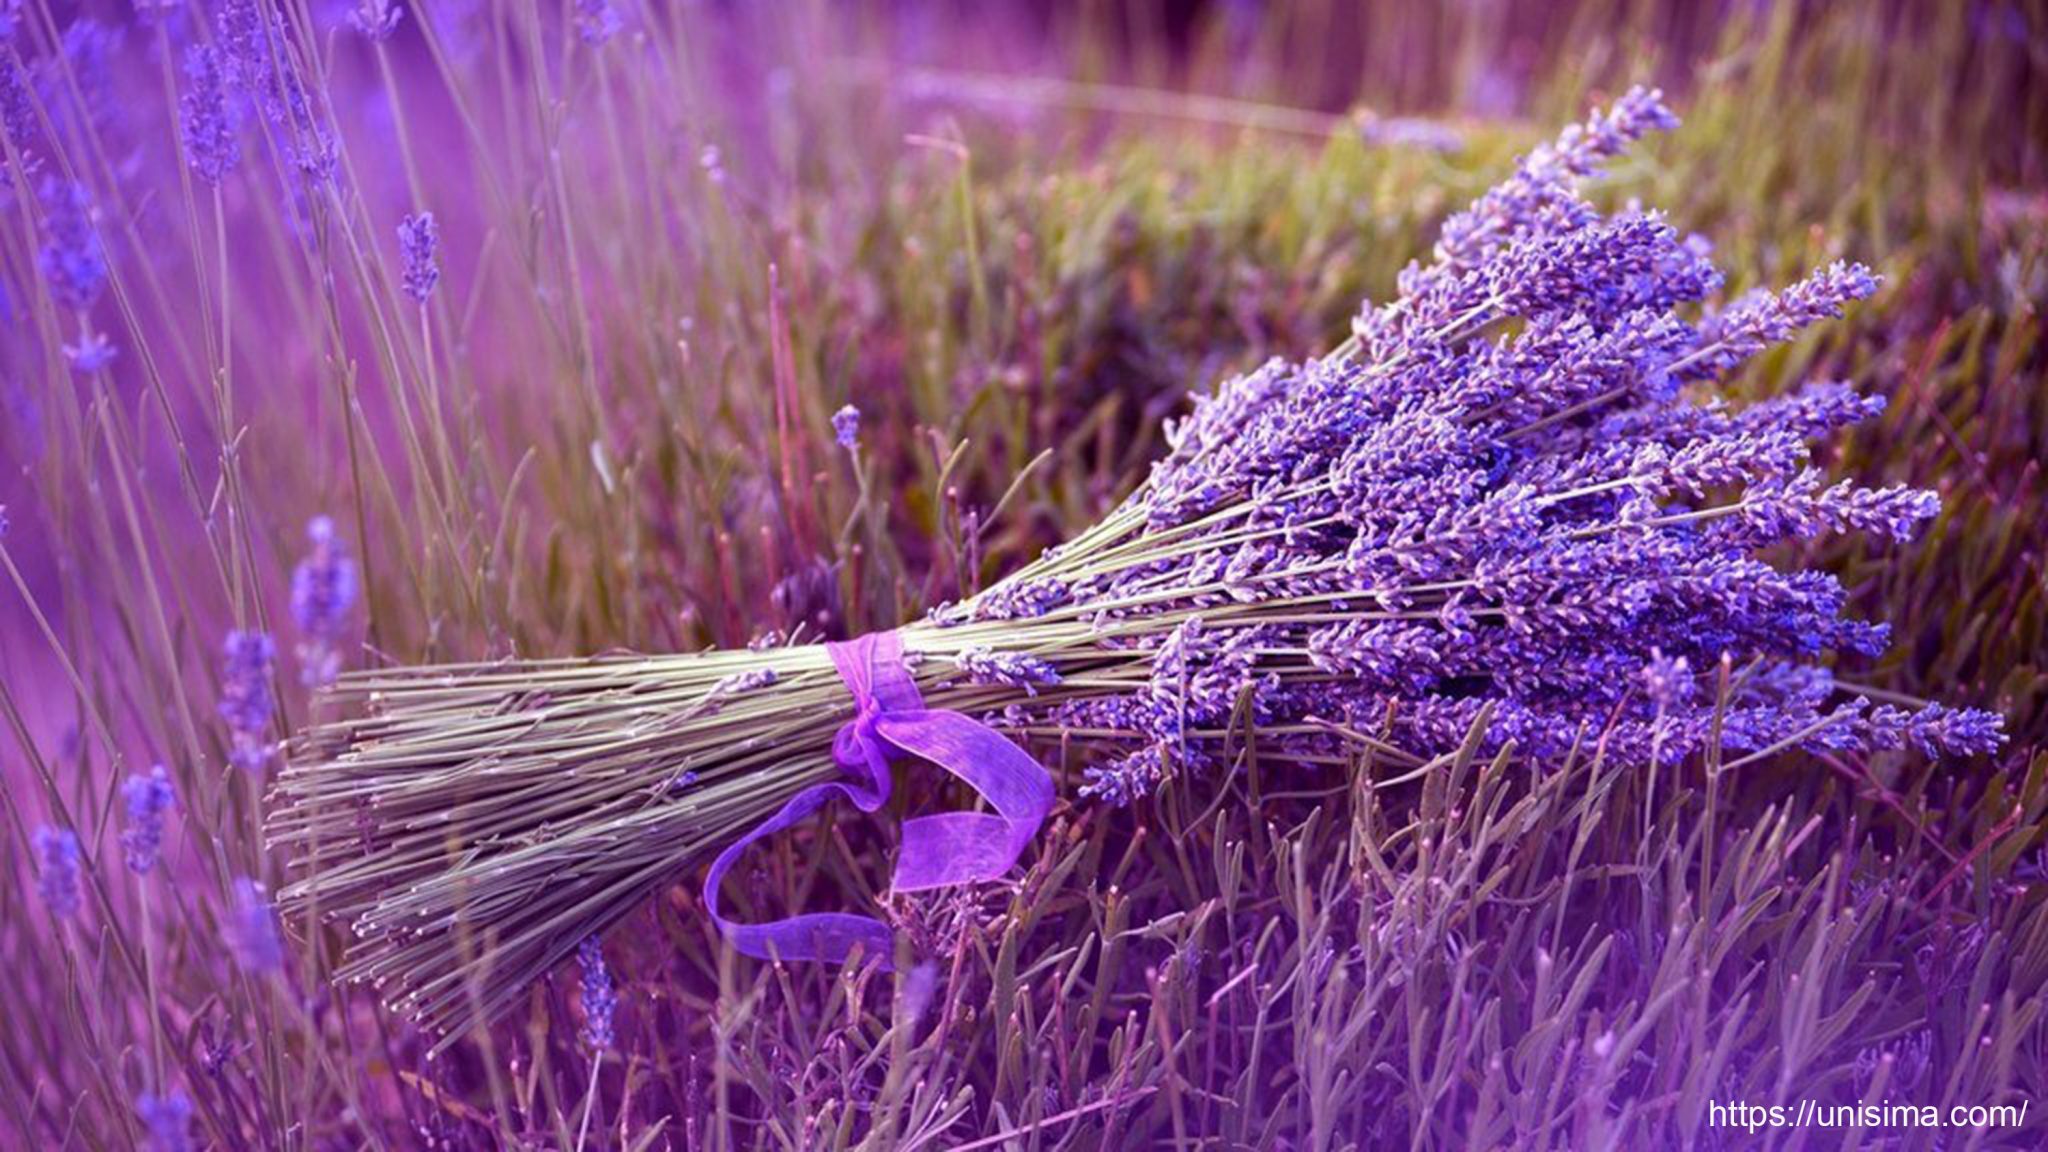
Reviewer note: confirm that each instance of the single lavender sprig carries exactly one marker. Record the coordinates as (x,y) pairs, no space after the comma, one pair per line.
(1537,198)
(323,591)
(58,867)
(739,683)
(72,261)
(419,242)
(600,1000)
(247,663)
(17,107)
(598,21)
(984,665)
(1762,319)
(209,116)
(1126,780)
(150,799)
(846,427)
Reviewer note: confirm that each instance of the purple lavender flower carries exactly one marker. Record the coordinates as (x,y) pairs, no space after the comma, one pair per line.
(247,660)
(57,871)
(1799,507)
(739,682)
(1537,198)
(600,1001)
(1935,729)
(167,1121)
(251,930)
(597,21)
(1016,669)
(149,799)
(736,684)
(262,68)
(1387,653)
(92,352)
(419,242)
(71,260)
(323,591)
(1943,731)
(244,30)
(1667,680)
(1765,318)
(1502,505)
(1013,600)
(1123,781)
(208,115)
(846,427)
(17,107)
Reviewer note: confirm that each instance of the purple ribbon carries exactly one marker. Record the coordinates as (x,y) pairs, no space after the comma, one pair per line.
(946,849)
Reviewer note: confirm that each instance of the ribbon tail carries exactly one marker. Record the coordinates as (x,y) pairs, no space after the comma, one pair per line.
(827,936)
(962,847)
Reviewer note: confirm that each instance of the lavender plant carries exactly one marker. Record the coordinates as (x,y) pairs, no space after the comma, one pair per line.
(57,871)
(247,665)
(150,798)
(1509,504)
(323,591)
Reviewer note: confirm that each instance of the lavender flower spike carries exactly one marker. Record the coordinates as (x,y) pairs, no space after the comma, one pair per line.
(1123,781)
(72,262)
(600,1000)
(208,120)
(846,427)
(247,659)
(419,243)
(1016,669)
(323,591)
(1762,319)
(597,21)
(1537,196)
(149,798)
(57,871)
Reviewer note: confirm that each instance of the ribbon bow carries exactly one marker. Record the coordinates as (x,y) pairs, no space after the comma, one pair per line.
(939,850)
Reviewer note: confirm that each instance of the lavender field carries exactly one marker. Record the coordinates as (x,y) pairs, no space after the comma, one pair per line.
(1487,561)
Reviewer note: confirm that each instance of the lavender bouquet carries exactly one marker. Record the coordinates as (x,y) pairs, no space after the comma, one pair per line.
(1507,509)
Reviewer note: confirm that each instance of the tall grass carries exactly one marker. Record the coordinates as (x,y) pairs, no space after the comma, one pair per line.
(667,258)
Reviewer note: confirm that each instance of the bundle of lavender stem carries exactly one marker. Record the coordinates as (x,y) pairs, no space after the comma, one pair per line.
(1508,508)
